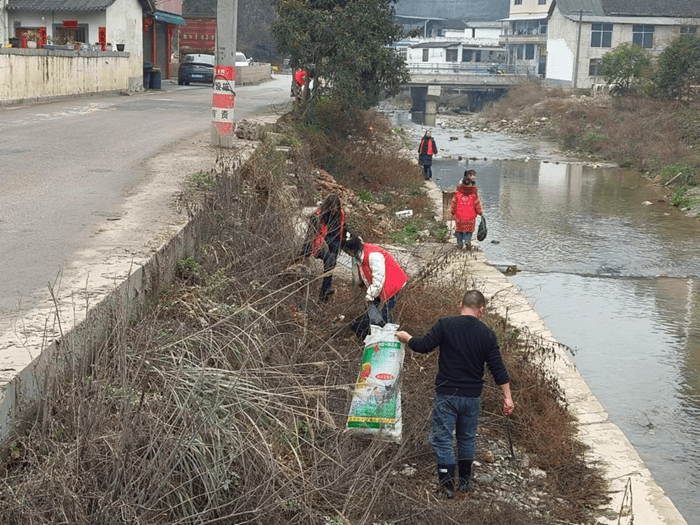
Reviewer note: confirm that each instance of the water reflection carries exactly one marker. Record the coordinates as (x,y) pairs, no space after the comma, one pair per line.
(575,219)
(617,280)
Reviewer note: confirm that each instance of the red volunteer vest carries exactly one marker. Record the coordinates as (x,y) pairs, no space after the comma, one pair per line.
(323,230)
(395,278)
(465,207)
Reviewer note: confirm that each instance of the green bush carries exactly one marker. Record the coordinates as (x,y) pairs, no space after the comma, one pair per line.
(678,67)
(626,66)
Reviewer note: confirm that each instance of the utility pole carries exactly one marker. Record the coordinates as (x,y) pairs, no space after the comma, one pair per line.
(578,46)
(224,74)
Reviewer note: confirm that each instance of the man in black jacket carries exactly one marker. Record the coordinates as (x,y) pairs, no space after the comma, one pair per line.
(466,346)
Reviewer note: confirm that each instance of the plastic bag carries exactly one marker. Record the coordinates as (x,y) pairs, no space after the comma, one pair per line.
(481,233)
(376,402)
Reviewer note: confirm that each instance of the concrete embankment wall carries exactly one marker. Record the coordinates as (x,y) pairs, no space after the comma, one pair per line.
(253,74)
(636,498)
(127,300)
(37,74)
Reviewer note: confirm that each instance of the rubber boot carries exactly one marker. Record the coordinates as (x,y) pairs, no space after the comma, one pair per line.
(465,474)
(446,476)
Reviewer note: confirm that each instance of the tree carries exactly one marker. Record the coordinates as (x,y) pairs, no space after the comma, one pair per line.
(625,65)
(345,43)
(678,67)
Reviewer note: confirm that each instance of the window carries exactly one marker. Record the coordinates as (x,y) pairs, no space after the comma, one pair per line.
(426,55)
(643,35)
(519,51)
(402,52)
(542,2)
(601,34)
(530,27)
(594,67)
(530,52)
(451,55)
(66,35)
(467,55)
(477,56)
(689,30)
(517,2)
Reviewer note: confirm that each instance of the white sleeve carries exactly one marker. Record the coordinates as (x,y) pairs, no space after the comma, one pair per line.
(378,267)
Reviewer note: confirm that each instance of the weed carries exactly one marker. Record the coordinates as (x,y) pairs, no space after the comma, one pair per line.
(681,200)
(365,196)
(201,181)
(189,269)
(408,235)
(687,174)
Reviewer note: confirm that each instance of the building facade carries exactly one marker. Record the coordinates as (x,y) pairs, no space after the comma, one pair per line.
(582,31)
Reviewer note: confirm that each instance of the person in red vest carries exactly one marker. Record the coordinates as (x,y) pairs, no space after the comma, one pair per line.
(465,207)
(426,150)
(299,83)
(326,232)
(380,274)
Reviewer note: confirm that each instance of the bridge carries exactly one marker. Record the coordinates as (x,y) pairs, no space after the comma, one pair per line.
(483,82)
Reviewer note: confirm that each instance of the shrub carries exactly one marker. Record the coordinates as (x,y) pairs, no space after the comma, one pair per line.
(625,66)
(678,67)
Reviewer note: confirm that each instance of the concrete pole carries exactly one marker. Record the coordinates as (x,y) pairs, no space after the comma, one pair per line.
(224,74)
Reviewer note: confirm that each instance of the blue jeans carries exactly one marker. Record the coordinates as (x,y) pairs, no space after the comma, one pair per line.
(463,237)
(450,412)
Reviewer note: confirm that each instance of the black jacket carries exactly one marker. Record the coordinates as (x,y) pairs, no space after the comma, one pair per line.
(466,346)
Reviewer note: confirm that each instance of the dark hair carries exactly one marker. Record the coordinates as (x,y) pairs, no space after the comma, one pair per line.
(352,244)
(466,180)
(331,205)
(473,299)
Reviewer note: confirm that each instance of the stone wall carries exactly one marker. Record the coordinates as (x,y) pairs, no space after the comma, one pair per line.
(253,74)
(39,74)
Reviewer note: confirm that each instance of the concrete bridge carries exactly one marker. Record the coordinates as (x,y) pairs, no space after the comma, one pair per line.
(479,83)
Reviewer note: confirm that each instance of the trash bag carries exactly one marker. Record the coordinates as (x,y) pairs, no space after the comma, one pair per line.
(375,408)
(481,233)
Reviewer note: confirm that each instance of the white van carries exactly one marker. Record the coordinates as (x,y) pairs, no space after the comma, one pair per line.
(241,60)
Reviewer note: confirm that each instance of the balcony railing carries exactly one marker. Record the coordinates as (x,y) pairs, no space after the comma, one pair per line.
(470,68)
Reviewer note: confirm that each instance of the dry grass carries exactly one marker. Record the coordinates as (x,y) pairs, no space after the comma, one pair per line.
(227,402)
(634,131)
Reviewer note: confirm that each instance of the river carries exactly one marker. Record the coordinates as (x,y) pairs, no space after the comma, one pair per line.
(613,270)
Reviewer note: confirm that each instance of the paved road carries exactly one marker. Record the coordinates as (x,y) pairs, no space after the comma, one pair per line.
(67,169)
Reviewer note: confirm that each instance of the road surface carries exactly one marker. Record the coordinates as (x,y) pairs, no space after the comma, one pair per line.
(93,179)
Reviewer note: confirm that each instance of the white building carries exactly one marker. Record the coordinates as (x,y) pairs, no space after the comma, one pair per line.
(525,37)
(582,31)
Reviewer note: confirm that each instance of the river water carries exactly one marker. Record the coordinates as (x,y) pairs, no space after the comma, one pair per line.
(614,271)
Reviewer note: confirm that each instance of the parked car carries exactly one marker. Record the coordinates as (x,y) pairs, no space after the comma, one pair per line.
(196,68)
(241,59)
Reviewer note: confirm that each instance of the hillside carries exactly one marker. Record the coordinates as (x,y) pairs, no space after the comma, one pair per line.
(467,10)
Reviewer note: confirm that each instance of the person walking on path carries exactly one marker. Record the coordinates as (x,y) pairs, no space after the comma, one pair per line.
(465,207)
(466,346)
(426,150)
(326,232)
(375,269)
